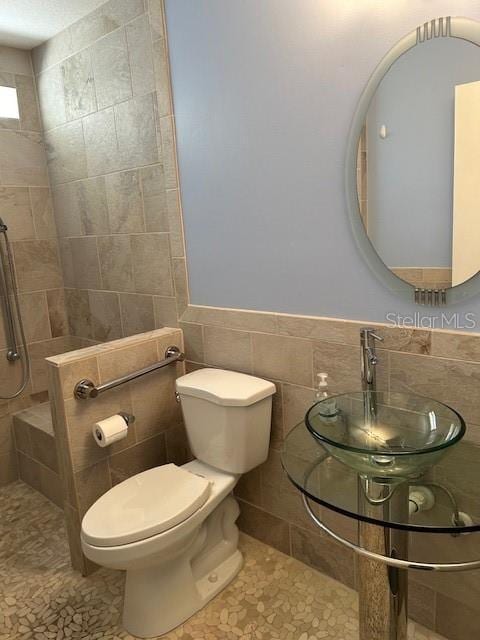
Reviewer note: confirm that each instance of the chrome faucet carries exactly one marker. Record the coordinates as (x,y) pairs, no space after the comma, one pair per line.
(369,358)
(368,365)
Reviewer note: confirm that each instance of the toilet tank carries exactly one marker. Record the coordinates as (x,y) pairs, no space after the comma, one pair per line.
(227,417)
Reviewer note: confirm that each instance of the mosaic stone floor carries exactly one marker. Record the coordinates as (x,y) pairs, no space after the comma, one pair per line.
(41,598)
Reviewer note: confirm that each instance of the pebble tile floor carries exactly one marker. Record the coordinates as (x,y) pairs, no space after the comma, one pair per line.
(42,598)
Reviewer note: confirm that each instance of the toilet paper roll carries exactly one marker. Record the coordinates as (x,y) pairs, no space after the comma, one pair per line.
(110,430)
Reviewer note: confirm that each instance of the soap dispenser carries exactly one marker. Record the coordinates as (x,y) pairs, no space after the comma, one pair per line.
(328,409)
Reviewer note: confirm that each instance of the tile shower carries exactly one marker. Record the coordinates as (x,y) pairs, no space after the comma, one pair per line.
(96,223)
(90,230)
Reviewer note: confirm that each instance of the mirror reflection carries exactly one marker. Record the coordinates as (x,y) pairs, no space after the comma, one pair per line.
(418,164)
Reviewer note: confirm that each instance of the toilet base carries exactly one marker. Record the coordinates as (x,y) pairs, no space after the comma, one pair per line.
(153,613)
(160,597)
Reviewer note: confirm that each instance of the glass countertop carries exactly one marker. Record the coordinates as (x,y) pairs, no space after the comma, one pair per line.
(453,478)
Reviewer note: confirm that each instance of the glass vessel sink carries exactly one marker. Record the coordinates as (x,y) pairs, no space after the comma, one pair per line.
(388,437)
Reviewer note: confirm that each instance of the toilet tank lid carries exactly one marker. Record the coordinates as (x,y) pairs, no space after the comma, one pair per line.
(228,388)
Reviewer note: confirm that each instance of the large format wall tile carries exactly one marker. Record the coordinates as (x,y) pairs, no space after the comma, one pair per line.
(105,315)
(66,153)
(42,211)
(119,362)
(78,311)
(141,57)
(8,468)
(37,264)
(151,264)
(91,205)
(137,313)
(79,87)
(162,77)
(116,263)
(22,159)
(52,98)
(320,551)
(167,132)
(81,207)
(16,212)
(264,527)
(456,620)
(175,223)
(125,205)
(180,280)
(194,344)
(296,400)
(86,266)
(165,312)
(15,61)
(228,349)
(155,198)
(452,381)
(136,134)
(342,364)
(286,359)
(35,316)
(144,455)
(157,18)
(52,51)
(101,143)
(66,210)
(456,345)
(111,69)
(57,312)
(27,103)
(103,20)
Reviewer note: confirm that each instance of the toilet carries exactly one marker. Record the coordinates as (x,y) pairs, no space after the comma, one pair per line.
(172,529)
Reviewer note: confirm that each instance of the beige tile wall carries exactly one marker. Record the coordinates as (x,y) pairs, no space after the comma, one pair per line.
(26,207)
(37,451)
(290,350)
(156,437)
(104,94)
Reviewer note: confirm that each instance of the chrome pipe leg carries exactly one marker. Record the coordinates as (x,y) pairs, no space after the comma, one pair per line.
(383,589)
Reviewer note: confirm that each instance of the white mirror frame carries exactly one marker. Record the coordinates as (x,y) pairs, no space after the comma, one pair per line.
(463,28)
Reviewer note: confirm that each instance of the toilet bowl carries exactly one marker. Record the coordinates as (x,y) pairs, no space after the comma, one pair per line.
(172,529)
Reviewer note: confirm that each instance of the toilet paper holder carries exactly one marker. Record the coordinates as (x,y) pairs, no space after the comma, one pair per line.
(128,417)
(105,438)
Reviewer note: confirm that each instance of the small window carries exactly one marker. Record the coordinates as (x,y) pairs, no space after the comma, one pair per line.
(9,103)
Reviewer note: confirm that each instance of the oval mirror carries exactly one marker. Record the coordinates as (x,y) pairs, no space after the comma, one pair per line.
(413,164)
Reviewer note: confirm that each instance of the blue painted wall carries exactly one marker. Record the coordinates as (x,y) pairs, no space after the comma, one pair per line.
(264,93)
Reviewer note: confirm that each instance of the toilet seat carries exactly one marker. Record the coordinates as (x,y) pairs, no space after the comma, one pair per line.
(144,505)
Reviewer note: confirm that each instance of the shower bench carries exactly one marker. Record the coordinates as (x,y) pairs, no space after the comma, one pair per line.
(37,451)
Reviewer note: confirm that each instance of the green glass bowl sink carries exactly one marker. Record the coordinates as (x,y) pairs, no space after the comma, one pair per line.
(386,436)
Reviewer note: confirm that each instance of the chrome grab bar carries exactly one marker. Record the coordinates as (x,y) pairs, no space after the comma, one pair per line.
(86,388)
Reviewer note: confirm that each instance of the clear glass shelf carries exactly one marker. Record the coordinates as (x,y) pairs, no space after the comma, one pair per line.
(454,480)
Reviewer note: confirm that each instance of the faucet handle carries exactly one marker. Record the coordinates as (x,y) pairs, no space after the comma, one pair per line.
(375,336)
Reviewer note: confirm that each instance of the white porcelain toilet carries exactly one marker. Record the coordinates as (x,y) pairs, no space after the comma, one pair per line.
(173,528)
